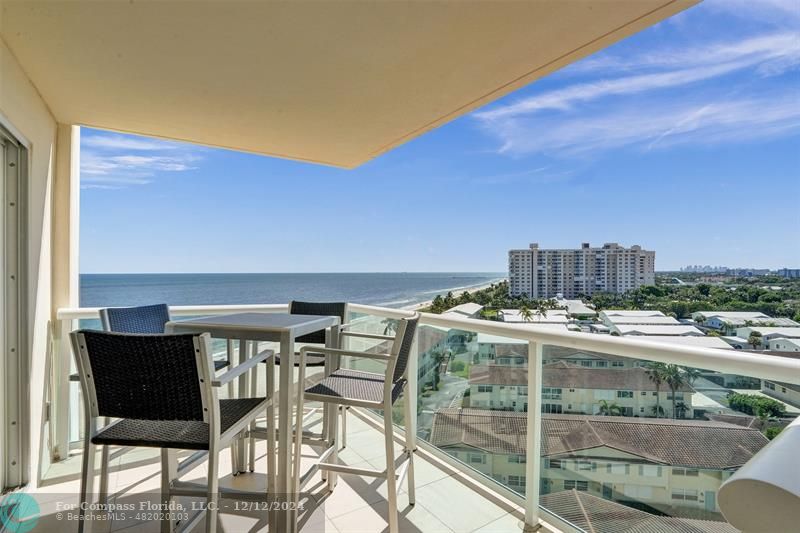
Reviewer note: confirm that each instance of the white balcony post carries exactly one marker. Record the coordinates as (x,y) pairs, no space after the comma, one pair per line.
(533,442)
(60,397)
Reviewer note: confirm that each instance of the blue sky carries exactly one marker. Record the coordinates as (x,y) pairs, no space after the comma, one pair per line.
(684,138)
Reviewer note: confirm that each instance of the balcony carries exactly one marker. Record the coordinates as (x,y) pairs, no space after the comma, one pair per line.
(478,470)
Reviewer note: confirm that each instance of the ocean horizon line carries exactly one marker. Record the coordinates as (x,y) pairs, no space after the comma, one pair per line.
(500,274)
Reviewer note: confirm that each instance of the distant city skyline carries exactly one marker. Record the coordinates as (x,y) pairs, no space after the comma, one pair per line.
(683,138)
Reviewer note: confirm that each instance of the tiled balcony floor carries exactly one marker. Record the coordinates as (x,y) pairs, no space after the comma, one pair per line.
(446,501)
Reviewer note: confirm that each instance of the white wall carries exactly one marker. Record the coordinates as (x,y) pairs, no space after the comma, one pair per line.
(26,115)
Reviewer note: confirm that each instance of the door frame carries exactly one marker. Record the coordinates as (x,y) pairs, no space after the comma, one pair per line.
(14,357)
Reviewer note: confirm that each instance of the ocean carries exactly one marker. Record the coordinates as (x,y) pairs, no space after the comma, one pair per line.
(395,289)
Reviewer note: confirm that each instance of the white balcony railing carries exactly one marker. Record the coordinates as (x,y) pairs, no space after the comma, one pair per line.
(725,361)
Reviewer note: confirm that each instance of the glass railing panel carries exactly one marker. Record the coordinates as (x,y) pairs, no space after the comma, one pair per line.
(645,440)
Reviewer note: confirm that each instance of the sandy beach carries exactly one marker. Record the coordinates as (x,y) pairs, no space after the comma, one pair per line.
(456,292)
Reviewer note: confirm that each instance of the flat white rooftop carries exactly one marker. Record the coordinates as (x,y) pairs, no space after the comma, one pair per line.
(645,320)
(627,312)
(700,342)
(625,329)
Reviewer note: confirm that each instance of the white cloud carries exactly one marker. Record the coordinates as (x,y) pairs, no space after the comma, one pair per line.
(771,54)
(116,161)
(125,142)
(776,12)
(779,47)
(708,121)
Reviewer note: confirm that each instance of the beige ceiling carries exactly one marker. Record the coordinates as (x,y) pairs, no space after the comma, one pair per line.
(330,82)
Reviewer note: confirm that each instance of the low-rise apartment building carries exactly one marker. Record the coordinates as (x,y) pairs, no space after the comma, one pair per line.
(782,344)
(769,333)
(493,349)
(727,322)
(571,273)
(670,466)
(612,321)
(785,392)
(574,389)
(655,331)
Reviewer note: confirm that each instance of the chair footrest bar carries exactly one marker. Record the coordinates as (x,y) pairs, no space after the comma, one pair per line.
(344,469)
(188,463)
(190,524)
(315,467)
(309,437)
(116,454)
(401,474)
(189,489)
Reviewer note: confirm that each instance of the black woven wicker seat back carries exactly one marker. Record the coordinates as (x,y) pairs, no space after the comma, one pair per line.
(141,319)
(405,348)
(316,337)
(147,377)
(152,382)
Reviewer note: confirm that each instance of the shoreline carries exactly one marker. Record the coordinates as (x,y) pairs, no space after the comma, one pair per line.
(427,303)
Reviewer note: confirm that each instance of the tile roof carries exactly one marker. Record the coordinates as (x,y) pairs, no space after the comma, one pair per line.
(739,420)
(692,443)
(594,514)
(565,375)
(551,351)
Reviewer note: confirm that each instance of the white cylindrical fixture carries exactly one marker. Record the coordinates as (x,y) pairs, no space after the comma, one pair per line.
(764,495)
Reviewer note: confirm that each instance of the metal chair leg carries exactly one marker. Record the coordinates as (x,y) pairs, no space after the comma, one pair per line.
(212,494)
(253,394)
(343,410)
(391,479)
(334,433)
(271,462)
(409,446)
(231,395)
(102,496)
(87,477)
(169,472)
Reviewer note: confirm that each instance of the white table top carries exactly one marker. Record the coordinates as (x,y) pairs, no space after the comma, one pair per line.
(252,326)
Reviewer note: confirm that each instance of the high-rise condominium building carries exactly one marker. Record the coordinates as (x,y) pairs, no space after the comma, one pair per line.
(573,272)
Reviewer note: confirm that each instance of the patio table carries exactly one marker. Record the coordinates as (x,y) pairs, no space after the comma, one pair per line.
(274,327)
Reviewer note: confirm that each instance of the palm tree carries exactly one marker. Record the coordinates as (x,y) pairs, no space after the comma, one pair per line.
(673,376)
(657,411)
(656,372)
(692,374)
(525,313)
(682,408)
(390,326)
(609,408)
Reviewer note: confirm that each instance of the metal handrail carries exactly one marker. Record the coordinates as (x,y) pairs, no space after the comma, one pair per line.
(770,367)
(750,364)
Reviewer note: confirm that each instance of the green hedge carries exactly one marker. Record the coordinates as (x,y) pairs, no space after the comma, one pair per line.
(755,405)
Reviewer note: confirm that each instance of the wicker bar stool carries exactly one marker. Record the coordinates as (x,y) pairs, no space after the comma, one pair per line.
(139,319)
(372,390)
(163,391)
(313,358)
